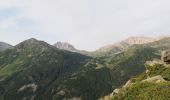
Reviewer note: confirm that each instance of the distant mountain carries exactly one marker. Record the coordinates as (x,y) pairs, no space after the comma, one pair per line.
(139,40)
(68,47)
(111,49)
(65,46)
(4,46)
(123,45)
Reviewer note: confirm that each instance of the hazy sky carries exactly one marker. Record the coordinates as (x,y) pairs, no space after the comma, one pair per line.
(87,24)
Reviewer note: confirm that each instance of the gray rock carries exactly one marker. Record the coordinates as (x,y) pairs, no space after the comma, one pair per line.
(155,79)
(65,46)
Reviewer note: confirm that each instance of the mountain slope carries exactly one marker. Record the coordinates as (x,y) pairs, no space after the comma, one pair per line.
(4,46)
(111,50)
(35,70)
(153,84)
(131,62)
(32,66)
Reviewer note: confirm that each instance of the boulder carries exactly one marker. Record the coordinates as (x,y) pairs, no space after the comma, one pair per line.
(155,79)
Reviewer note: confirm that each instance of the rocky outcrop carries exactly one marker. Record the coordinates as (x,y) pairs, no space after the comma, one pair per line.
(155,79)
(108,97)
(154,62)
(128,83)
(116,91)
(165,56)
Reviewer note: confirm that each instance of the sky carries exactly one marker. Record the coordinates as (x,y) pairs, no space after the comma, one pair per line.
(87,24)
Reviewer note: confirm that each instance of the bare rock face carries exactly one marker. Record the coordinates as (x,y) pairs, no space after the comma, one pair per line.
(65,46)
(4,46)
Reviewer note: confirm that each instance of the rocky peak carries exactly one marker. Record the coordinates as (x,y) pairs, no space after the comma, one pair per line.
(65,46)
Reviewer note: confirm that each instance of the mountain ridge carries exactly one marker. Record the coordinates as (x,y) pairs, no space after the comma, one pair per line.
(4,46)
(30,71)
(119,47)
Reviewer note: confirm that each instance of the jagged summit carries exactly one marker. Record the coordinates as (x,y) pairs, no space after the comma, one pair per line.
(65,46)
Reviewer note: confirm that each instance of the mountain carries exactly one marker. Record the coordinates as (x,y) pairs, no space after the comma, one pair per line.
(65,46)
(140,40)
(110,50)
(131,62)
(68,47)
(35,70)
(27,70)
(4,46)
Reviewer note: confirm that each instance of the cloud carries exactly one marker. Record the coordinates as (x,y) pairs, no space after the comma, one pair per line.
(88,24)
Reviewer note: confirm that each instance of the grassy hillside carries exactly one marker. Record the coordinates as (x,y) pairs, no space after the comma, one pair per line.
(128,63)
(147,90)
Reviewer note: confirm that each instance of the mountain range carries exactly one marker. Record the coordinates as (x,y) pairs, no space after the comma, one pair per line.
(36,70)
(118,47)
